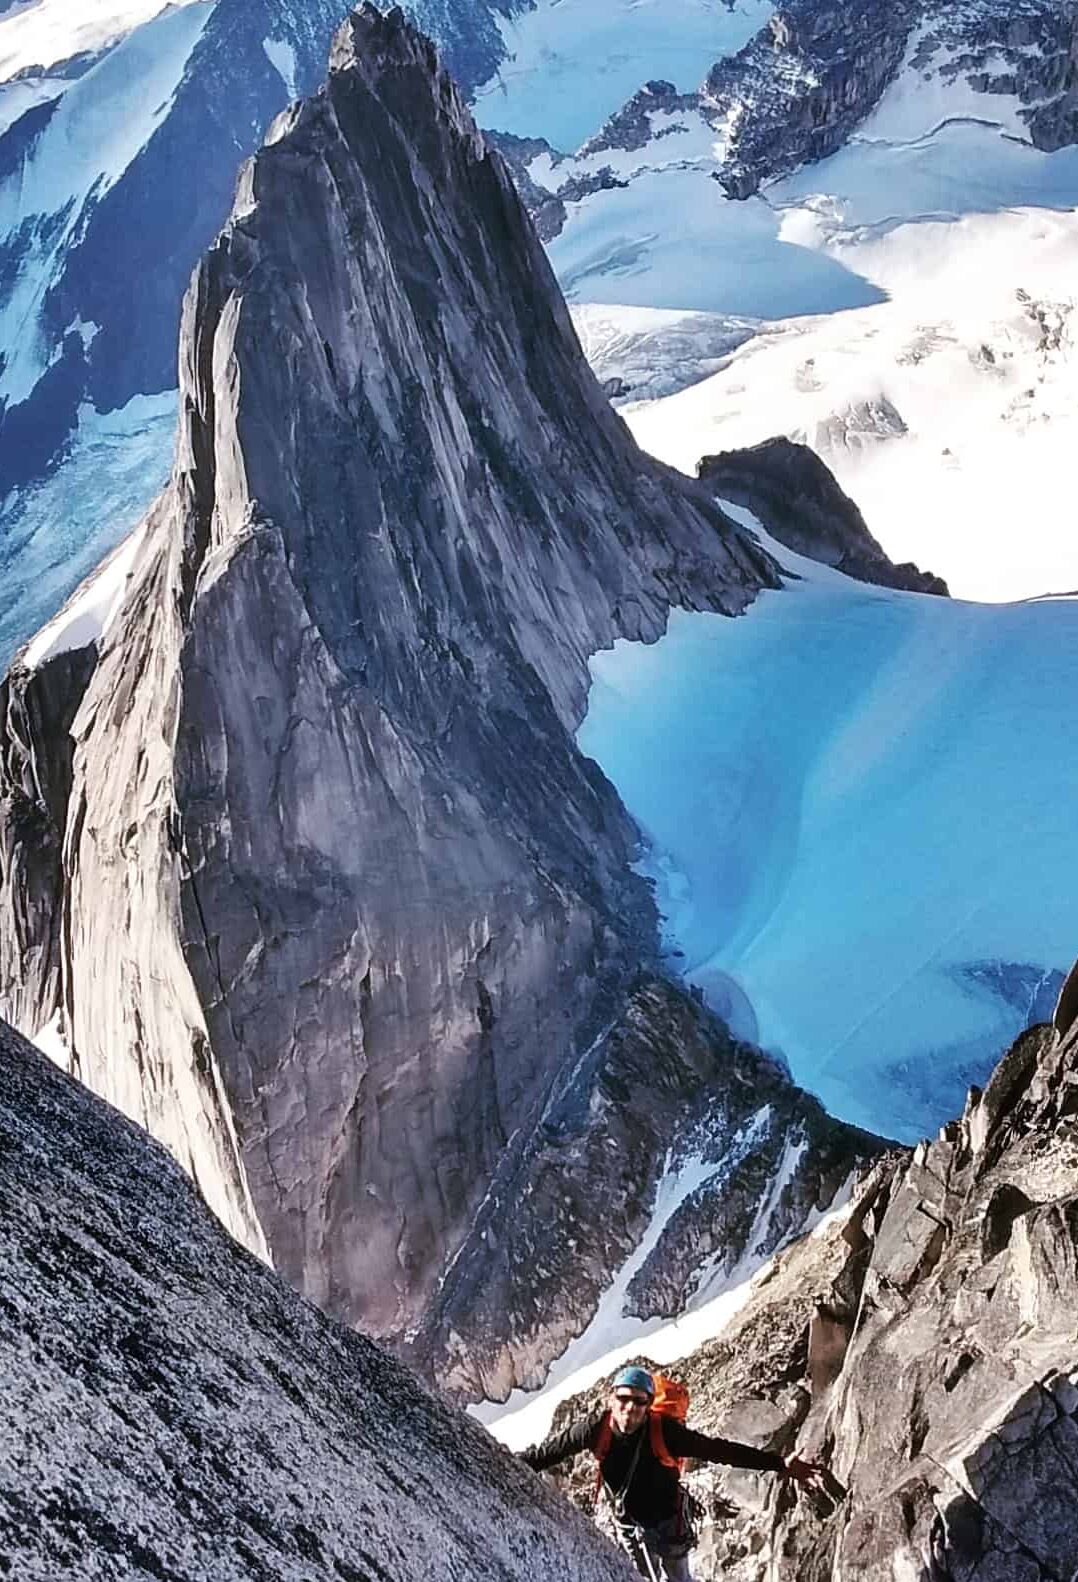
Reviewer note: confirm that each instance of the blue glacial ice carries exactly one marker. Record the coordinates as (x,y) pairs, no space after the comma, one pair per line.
(859,815)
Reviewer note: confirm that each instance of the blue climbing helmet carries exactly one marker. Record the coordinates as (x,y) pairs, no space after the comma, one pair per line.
(635,1379)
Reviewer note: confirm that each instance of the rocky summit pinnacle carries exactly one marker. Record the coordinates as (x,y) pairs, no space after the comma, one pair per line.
(342,907)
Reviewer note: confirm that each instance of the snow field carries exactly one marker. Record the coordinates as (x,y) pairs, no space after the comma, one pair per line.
(917,298)
(672,240)
(949,412)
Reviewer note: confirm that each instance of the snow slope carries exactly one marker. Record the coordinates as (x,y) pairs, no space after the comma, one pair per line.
(102,122)
(572,63)
(859,804)
(45,33)
(87,616)
(613,1338)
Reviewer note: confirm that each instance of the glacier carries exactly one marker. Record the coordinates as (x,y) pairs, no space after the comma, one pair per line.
(45,33)
(931,364)
(572,63)
(858,805)
(57,531)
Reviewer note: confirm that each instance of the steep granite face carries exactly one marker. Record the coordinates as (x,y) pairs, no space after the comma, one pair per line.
(341,899)
(170,1409)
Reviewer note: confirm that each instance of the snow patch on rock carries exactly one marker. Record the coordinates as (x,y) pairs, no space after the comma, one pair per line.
(282,57)
(86,617)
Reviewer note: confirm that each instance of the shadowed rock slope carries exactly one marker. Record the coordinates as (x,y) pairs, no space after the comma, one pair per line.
(170,1410)
(797,499)
(925,1346)
(343,912)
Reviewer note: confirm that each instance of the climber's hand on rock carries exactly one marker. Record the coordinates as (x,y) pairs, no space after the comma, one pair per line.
(809,1474)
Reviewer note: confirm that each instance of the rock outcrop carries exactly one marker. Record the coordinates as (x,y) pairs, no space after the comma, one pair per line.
(170,1409)
(796,498)
(37,708)
(800,89)
(345,915)
(924,1345)
(954,1418)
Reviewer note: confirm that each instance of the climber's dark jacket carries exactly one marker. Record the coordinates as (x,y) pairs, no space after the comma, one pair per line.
(653,1494)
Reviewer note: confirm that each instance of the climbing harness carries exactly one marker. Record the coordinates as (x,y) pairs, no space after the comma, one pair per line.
(634,1542)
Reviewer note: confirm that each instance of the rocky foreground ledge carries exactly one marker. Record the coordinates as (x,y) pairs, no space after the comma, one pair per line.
(169,1409)
(926,1347)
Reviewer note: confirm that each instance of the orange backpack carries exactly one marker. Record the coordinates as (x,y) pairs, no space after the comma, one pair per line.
(671,1400)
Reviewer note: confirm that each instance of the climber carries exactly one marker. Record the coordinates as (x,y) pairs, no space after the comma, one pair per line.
(638,1443)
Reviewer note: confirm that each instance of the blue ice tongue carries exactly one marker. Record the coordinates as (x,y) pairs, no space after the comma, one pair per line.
(858,804)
